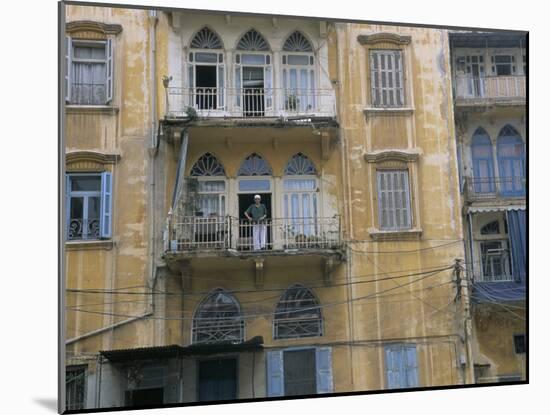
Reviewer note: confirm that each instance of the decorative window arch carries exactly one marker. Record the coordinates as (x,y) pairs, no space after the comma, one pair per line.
(297,42)
(511,162)
(300,164)
(298,314)
(206,39)
(218,319)
(253,41)
(298,66)
(255,165)
(207,165)
(482,160)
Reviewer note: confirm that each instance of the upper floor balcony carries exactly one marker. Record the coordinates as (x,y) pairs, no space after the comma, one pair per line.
(186,102)
(478,189)
(198,236)
(483,90)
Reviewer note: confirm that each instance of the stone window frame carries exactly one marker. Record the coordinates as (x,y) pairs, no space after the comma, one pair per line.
(88,30)
(389,42)
(395,160)
(87,162)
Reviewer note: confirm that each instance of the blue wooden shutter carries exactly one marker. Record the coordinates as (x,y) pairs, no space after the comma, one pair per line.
(110,70)
(411,366)
(275,373)
(106,204)
(323,361)
(68,54)
(394,358)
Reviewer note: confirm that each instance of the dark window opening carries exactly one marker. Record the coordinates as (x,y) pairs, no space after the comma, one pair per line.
(253,91)
(300,370)
(145,397)
(246,228)
(218,380)
(519,343)
(206,82)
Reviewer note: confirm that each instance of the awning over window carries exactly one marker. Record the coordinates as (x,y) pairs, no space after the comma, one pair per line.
(476,209)
(175,351)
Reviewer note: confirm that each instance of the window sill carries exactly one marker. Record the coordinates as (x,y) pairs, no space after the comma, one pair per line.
(398,235)
(83,245)
(91,109)
(387,111)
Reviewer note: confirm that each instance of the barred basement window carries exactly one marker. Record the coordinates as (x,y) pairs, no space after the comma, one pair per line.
(207,165)
(218,319)
(298,314)
(75,383)
(254,165)
(387,78)
(394,209)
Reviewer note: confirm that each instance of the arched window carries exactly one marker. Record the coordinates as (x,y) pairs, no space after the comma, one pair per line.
(482,160)
(218,319)
(254,165)
(211,186)
(491,228)
(298,74)
(511,162)
(298,314)
(206,71)
(253,75)
(300,198)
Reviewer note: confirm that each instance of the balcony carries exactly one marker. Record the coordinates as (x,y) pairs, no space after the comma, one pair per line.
(249,102)
(492,188)
(490,89)
(217,236)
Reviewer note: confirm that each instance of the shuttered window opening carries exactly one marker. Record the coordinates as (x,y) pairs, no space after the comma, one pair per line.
(300,371)
(89,72)
(401,366)
(387,78)
(394,199)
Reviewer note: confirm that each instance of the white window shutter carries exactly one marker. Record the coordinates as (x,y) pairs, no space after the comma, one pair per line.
(323,358)
(68,54)
(383,194)
(110,70)
(275,373)
(106,204)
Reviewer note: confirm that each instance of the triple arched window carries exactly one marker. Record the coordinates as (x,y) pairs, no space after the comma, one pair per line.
(510,159)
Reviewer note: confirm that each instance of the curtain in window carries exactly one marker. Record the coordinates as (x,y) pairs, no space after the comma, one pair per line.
(88,80)
(517,232)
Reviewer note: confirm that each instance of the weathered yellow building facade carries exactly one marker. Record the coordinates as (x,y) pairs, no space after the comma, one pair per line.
(174,122)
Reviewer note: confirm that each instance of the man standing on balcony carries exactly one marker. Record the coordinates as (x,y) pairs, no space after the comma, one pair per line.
(256,214)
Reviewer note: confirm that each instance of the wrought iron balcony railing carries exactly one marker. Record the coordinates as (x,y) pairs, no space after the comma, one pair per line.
(249,102)
(469,87)
(83,229)
(193,233)
(487,188)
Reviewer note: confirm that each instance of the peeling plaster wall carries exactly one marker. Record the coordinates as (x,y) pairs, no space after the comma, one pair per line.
(421,312)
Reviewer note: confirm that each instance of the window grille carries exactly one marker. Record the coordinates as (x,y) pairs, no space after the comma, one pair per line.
(218,319)
(300,164)
(206,39)
(387,78)
(394,200)
(75,383)
(252,41)
(254,165)
(297,314)
(297,42)
(207,165)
